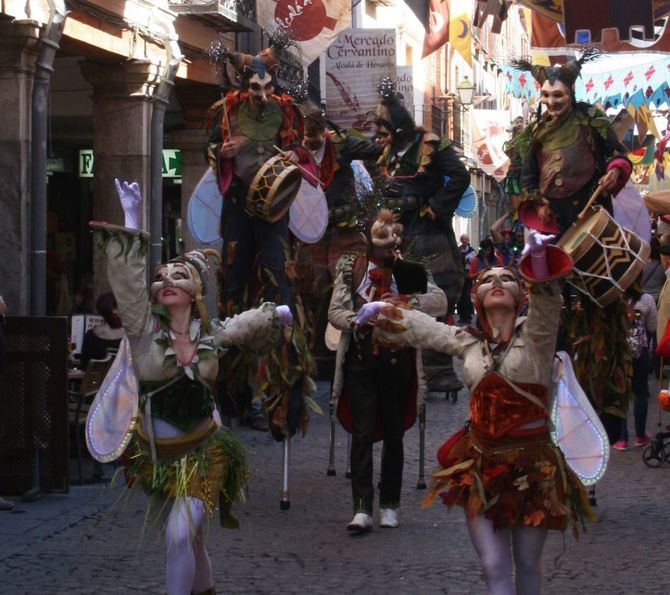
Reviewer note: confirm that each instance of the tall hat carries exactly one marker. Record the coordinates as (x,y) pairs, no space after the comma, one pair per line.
(244,66)
(566,73)
(391,113)
(386,232)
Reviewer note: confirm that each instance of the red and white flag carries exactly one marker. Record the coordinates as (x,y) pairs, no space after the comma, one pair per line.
(437,32)
(314,24)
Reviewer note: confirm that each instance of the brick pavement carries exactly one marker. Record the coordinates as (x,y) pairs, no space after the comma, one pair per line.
(79,543)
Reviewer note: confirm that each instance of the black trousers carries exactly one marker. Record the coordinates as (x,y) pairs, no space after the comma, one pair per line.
(379,386)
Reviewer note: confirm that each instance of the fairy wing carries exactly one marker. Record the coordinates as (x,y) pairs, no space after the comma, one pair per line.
(577,429)
(113,414)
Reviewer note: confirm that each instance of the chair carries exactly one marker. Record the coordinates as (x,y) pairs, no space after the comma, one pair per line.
(81,400)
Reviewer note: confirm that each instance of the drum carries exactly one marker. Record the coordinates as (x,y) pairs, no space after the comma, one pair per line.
(273,189)
(607,257)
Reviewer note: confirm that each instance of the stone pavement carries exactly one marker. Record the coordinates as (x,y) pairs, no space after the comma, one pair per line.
(82,543)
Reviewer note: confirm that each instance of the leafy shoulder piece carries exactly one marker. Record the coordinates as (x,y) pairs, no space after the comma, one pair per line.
(577,429)
(113,414)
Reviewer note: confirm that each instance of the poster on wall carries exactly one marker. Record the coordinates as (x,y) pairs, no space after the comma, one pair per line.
(356,62)
(405,86)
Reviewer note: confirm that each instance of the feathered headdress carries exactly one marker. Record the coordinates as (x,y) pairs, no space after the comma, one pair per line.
(566,73)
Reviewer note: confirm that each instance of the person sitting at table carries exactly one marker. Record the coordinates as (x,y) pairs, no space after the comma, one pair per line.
(105,336)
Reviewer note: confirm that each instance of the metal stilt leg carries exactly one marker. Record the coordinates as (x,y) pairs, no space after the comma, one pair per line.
(331,452)
(348,473)
(592,496)
(421,483)
(285,503)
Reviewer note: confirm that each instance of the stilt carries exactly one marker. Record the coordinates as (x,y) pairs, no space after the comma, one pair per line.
(348,473)
(331,452)
(421,483)
(285,503)
(592,496)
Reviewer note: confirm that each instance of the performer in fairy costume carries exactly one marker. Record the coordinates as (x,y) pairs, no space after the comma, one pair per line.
(250,124)
(179,453)
(422,179)
(378,388)
(502,467)
(566,153)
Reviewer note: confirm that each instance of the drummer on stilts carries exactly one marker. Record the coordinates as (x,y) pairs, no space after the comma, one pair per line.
(251,125)
(567,153)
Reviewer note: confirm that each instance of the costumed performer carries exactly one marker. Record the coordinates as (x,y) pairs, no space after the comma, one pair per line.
(423,180)
(566,153)
(376,387)
(502,467)
(179,453)
(332,153)
(250,124)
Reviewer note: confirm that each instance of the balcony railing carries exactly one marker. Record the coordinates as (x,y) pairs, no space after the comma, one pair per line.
(236,15)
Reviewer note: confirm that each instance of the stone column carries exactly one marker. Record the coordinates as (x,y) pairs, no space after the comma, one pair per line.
(192,142)
(18,53)
(121,139)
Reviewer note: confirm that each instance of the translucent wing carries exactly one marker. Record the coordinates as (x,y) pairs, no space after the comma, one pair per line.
(113,413)
(204,210)
(308,213)
(577,429)
(362,180)
(467,206)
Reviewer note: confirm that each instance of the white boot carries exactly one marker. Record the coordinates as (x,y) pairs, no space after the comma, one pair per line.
(361,523)
(388,518)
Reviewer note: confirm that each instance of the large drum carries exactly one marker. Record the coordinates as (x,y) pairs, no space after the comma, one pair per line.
(273,189)
(607,257)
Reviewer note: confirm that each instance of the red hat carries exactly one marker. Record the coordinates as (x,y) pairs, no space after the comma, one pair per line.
(530,219)
(559,264)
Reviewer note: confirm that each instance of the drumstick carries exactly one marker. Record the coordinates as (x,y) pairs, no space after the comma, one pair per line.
(591,200)
(302,169)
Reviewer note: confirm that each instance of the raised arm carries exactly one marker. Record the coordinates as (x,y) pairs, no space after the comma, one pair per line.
(257,329)
(125,251)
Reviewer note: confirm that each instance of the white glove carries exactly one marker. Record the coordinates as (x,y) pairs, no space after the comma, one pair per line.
(369,311)
(536,246)
(131,201)
(284,315)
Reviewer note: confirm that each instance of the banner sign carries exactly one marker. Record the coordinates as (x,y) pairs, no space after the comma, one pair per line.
(312,23)
(405,86)
(356,62)
(171,163)
(489,133)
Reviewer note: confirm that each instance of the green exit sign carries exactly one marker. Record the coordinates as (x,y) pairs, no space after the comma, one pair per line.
(171,163)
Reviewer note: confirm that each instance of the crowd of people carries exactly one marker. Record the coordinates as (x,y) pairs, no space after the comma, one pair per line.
(389,281)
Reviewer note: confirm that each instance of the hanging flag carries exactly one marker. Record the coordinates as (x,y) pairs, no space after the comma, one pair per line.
(421,9)
(644,120)
(584,21)
(460,35)
(314,24)
(437,32)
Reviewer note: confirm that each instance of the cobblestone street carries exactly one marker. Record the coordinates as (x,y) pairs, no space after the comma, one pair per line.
(79,543)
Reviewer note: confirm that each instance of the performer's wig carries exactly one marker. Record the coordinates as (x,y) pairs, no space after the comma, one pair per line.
(566,73)
(392,114)
(239,67)
(195,262)
(386,232)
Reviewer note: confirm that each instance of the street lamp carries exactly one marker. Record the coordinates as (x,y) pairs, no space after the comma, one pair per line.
(466,91)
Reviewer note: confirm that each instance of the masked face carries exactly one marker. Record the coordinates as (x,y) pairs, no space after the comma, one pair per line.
(260,89)
(556,97)
(498,288)
(173,284)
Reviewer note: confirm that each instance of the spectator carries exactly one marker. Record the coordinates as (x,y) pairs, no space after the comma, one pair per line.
(104,336)
(643,325)
(653,274)
(486,258)
(468,253)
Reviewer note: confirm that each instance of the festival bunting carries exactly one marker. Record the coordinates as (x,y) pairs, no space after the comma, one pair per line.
(489,133)
(460,33)
(437,32)
(314,24)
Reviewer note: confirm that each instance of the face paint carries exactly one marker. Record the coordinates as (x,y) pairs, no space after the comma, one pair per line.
(313,140)
(260,89)
(173,274)
(556,97)
(498,286)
